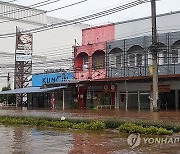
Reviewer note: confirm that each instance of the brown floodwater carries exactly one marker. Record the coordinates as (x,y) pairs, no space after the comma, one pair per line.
(163,116)
(33,140)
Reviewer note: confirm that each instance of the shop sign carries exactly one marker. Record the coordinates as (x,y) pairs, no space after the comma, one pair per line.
(24,42)
(23,57)
(25,52)
(40,79)
(110,88)
(95,88)
(162,88)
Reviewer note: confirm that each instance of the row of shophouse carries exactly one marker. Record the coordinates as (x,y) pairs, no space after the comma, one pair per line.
(118,73)
(113,69)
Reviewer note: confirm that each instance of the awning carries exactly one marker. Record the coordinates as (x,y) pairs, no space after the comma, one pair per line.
(31,90)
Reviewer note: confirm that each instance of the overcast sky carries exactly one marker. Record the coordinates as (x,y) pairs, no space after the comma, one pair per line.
(94,6)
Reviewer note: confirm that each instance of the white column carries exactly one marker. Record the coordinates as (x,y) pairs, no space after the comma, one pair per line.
(126,100)
(63,100)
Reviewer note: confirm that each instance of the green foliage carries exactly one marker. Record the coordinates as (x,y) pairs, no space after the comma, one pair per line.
(88,124)
(113,123)
(50,122)
(134,128)
(94,125)
(11,97)
(97,125)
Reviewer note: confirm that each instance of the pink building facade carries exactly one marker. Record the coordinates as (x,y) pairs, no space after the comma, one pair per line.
(89,63)
(89,59)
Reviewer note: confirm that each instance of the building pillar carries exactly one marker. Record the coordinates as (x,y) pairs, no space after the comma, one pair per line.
(117,100)
(151,101)
(63,100)
(90,69)
(139,105)
(126,100)
(177,99)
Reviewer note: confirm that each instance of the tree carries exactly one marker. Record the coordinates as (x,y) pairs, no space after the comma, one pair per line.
(11,97)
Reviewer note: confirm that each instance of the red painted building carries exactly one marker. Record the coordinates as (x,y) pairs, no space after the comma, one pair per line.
(90,60)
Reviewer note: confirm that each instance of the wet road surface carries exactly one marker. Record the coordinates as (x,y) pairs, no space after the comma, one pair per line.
(163,116)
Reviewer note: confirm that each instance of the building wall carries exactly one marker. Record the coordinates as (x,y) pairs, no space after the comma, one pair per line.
(98,34)
(51,48)
(136,86)
(142,26)
(23,13)
(168,56)
(89,73)
(93,41)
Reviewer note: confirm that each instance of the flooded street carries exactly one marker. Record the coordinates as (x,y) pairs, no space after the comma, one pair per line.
(32,140)
(162,116)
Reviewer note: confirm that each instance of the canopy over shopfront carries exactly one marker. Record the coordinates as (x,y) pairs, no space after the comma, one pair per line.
(29,90)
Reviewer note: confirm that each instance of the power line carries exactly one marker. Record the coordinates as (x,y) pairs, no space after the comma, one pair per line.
(81,19)
(46,12)
(31,7)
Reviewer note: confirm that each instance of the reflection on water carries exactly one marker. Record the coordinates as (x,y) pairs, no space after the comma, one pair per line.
(28,140)
(20,140)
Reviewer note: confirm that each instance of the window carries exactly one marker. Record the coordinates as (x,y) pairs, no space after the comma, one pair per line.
(85,63)
(139,60)
(165,57)
(174,56)
(118,61)
(98,62)
(112,60)
(149,58)
(132,60)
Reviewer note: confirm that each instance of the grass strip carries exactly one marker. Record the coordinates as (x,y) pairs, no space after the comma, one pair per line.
(139,126)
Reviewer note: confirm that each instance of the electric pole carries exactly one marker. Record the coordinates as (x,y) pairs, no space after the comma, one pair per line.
(154,57)
(8,80)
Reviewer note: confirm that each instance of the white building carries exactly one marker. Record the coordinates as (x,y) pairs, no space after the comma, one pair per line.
(51,48)
(168,22)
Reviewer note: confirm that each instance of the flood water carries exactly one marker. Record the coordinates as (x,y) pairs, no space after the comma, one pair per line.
(162,116)
(33,140)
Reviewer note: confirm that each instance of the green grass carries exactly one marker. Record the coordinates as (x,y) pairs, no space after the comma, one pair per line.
(53,122)
(138,126)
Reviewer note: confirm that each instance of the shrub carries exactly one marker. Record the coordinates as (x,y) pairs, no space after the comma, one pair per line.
(134,128)
(113,123)
(97,125)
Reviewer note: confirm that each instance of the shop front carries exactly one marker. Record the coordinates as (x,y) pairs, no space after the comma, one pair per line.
(97,96)
(138,94)
(59,98)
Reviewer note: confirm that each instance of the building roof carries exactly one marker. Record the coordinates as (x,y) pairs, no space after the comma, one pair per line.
(132,79)
(148,17)
(21,6)
(29,90)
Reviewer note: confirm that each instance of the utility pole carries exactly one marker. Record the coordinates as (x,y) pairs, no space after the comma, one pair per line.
(154,57)
(8,80)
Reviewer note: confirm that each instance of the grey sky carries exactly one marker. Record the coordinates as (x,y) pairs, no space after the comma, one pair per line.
(93,6)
